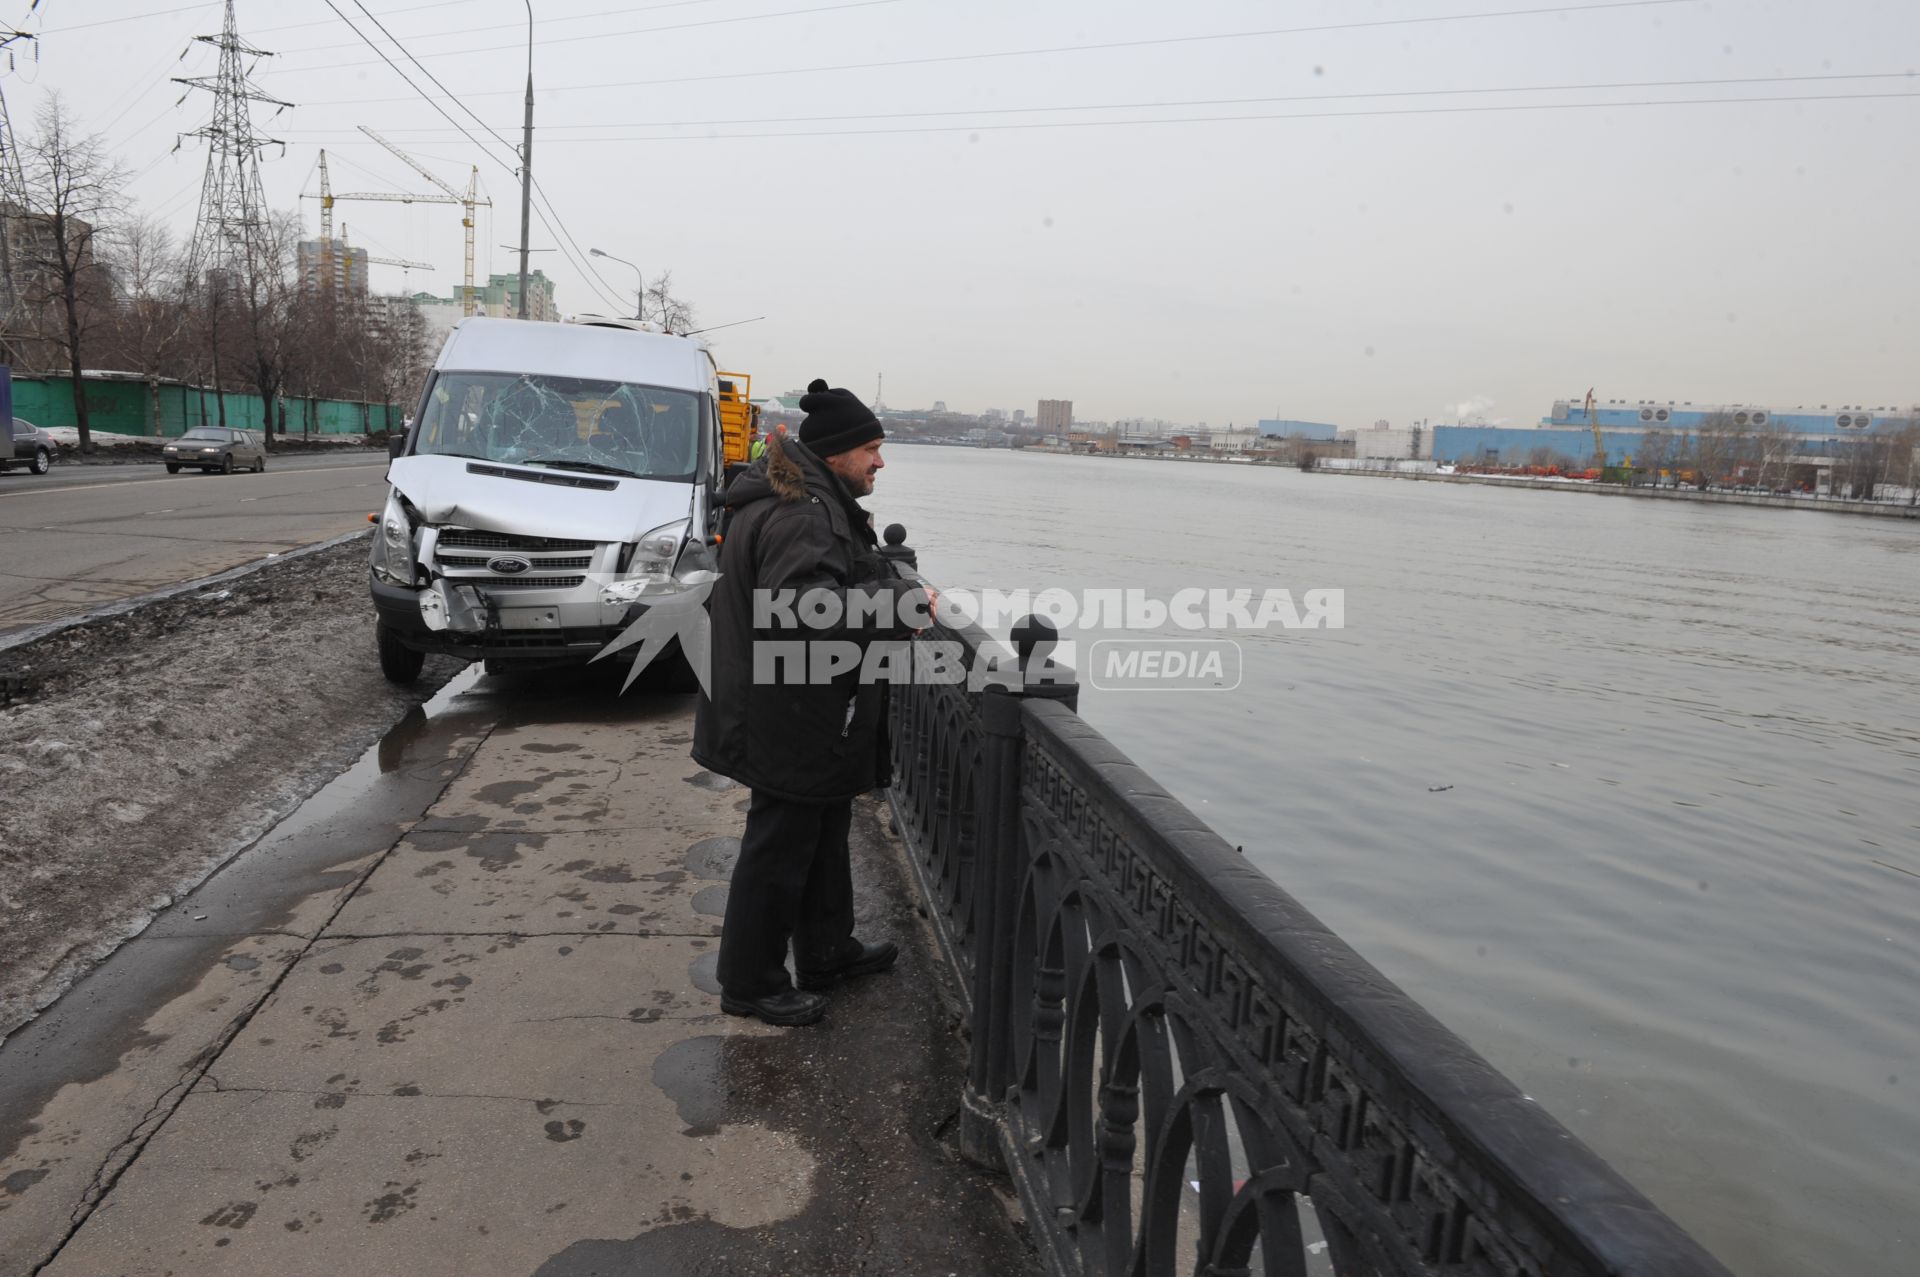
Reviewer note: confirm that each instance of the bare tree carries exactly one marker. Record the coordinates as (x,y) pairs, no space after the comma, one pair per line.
(675,314)
(149,330)
(271,314)
(1721,448)
(1776,446)
(73,198)
(1653,454)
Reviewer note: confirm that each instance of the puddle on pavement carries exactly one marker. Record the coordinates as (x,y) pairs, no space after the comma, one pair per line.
(704,972)
(406,747)
(690,1074)
(713,857)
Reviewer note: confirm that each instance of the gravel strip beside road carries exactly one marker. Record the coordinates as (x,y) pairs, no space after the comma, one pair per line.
(162,741)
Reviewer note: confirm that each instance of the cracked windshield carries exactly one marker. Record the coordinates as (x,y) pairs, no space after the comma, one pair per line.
(562,423)
(1001,638)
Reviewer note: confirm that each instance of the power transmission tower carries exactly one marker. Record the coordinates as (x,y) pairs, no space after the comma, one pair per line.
(230,229)
(13,204)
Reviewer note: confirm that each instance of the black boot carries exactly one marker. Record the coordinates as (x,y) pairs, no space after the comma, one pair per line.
(786,1008)
(870,960)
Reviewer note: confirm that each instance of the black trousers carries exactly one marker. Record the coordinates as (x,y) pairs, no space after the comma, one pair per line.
(793,881)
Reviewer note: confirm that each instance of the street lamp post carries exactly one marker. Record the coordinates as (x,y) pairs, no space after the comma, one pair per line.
(526,167)
(640,296)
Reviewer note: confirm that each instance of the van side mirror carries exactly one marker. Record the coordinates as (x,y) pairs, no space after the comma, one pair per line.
(396,445)
(734,471)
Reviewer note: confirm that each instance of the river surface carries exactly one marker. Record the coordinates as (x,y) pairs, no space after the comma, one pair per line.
(1627,793)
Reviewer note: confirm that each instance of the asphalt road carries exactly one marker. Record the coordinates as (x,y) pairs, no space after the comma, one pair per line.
(86,535)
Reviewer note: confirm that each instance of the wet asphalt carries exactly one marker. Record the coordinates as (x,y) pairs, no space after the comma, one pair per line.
(456,1015)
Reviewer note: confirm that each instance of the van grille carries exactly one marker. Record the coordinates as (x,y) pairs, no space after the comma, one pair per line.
(569,561)
(468,539)
(521,582)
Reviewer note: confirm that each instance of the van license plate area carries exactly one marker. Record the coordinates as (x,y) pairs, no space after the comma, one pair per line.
(529,618)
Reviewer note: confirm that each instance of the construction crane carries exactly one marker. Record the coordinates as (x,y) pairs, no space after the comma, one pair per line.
(327,241)
(386,261)
(1599,444)
(468,200)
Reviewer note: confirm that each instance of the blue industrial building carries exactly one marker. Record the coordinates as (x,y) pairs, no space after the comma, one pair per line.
(1645,415)
(1623,426)
(1286,429)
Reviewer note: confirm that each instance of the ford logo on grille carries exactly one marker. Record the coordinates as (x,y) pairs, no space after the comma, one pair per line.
(509,565)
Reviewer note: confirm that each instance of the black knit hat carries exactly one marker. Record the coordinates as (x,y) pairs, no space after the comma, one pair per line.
(836,420)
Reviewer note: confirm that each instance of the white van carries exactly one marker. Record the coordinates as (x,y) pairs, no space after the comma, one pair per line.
(556,479)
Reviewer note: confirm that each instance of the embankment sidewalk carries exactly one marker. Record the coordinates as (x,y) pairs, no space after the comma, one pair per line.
(494,1047)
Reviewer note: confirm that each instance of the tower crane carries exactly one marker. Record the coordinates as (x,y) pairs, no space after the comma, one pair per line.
(327,240)
(468,200)
(386,261)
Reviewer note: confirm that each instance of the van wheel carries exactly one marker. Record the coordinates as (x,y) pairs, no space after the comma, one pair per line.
(400,663)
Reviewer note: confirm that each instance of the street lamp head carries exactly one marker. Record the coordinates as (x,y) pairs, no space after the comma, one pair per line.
(594,252)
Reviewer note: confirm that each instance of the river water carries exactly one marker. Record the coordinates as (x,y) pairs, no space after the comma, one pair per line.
(1673,890)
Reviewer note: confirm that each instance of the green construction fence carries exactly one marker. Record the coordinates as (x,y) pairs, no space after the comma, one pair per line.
(127,407)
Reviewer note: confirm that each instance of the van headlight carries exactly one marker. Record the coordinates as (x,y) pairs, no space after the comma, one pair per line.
(663,561)
(393,544)
(650,569)
(654,553)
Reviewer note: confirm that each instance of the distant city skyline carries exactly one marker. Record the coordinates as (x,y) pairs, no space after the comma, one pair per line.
(1208,214)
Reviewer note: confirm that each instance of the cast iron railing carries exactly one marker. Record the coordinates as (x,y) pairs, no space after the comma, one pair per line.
(1182,1070)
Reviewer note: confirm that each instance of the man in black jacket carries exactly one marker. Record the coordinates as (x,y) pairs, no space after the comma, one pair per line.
(802,588)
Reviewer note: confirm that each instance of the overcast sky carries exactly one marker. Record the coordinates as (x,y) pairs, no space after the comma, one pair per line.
(973,199)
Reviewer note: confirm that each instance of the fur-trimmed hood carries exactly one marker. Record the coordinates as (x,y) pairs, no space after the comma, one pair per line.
(784,474)
(788,471)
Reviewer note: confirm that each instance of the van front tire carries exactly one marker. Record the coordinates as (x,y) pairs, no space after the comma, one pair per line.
(400,663)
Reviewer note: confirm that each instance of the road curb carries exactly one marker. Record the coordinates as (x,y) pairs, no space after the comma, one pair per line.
(119,607)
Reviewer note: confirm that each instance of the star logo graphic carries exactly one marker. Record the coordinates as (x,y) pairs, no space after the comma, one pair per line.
(682,615)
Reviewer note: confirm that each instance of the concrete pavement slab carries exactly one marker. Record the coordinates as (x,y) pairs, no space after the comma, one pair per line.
(504,1055)
(56,1165)
(574,1018)
(252,1183)
(535,884)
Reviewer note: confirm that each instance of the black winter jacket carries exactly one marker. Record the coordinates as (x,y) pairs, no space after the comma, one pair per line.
(792,525)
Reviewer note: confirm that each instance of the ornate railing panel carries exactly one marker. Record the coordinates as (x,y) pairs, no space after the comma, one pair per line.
(936,748)
(1181,1068)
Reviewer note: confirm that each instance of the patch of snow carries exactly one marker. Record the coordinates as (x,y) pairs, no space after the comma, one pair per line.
(69,437)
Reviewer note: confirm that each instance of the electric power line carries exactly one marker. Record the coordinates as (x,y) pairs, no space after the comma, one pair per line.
(1234,119)
(441,4)
(1064,48)
(436,81)
(687,26)
(590,275)
(627,12)
(579,259)
(418,90)
(1199,102)
(579,254)
(132,17)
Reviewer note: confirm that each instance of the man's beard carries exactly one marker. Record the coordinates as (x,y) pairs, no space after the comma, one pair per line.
(858,482)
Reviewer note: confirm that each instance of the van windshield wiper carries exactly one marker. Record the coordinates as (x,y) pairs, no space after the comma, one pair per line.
(568,463)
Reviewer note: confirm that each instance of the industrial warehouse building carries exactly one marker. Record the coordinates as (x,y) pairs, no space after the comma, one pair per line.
(1821,432)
